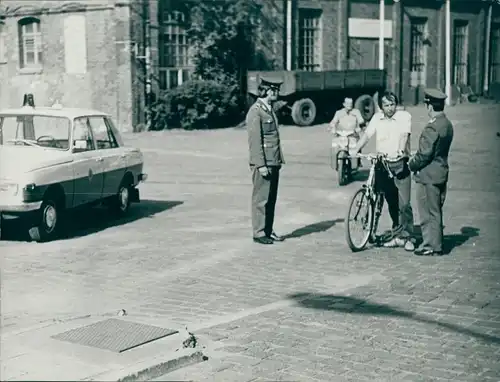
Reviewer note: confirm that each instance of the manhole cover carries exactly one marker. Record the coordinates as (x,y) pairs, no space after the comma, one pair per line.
(115,335)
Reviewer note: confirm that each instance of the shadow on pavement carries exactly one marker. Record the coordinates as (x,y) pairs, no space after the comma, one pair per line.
(353,305)
(313,228)
(94,219)
(450,242)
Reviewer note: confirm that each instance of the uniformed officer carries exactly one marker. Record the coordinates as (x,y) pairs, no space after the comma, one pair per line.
(266,158)
(430,165)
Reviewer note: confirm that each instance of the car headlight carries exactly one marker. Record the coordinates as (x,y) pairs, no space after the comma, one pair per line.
(9,188)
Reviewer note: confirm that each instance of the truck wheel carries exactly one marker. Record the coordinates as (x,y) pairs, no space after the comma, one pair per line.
(366,106)
(304,112)
(48,220)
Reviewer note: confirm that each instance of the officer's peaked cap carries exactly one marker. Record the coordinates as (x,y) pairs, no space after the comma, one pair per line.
(434,95)
(272,82)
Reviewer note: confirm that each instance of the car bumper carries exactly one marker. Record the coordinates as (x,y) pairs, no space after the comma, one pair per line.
(20,208)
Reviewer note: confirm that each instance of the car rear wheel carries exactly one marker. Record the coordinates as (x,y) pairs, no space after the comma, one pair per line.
(47,221)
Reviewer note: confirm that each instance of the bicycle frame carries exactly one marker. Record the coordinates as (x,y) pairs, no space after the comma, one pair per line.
(375,196)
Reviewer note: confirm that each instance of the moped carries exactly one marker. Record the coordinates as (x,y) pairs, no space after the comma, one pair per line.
(340,158)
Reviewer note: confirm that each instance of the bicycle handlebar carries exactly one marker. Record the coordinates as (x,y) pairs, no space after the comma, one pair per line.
(374,156)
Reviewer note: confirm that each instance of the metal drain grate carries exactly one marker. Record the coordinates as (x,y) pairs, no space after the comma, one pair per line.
(115,335)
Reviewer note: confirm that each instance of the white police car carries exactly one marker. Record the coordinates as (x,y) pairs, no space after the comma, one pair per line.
(53,159)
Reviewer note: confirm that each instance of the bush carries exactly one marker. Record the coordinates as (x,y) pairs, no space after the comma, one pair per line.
(197,104)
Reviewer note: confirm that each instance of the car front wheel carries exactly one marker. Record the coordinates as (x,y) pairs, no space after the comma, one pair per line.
(47,222)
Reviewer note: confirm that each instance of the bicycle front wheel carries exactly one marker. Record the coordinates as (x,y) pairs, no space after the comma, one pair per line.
(359,221)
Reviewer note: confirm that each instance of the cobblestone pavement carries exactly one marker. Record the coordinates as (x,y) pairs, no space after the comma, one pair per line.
(306,309)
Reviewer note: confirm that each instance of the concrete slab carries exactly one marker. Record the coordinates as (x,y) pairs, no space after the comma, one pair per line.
(34,355)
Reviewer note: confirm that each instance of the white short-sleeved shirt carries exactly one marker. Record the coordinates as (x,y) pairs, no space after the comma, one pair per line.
(389,131)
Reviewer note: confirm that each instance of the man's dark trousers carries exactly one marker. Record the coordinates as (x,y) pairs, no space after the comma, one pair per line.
(397,192)
(264,196)
(430,200)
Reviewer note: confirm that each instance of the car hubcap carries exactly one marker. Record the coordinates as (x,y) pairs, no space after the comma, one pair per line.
(124,198)
(50,218)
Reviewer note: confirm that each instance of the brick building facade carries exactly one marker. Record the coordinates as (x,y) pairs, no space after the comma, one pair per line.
(90,53)
(343,34)
(75,52)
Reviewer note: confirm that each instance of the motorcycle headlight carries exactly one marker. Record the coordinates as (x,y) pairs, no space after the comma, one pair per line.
(9,188)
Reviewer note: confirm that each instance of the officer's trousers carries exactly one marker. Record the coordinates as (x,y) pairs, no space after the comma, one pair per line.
(430,200)
(397,192)
(264,196)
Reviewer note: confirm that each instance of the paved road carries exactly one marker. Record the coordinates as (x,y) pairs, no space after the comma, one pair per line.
(306,309)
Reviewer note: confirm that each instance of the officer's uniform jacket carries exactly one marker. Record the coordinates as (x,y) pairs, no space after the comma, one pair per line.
(430,163)
(263,136)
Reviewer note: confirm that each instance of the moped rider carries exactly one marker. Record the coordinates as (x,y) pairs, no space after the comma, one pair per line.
(347,119)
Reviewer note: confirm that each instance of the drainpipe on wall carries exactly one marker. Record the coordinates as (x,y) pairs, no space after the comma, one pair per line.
(381,35)
(148,88)
(289,21)
(397,46)
(448,52)
(487,47)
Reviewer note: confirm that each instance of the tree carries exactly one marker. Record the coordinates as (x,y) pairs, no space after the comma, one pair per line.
(221,35)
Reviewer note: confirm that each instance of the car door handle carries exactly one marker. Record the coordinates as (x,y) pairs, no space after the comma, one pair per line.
(99,159)
(123,156)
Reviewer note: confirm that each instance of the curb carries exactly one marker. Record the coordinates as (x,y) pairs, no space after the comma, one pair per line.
(157,368)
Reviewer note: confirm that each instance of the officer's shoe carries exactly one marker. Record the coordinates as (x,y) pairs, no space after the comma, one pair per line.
(275,237)
(427,252)
(263,240)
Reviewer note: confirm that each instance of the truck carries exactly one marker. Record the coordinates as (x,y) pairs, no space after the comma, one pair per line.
(309,97)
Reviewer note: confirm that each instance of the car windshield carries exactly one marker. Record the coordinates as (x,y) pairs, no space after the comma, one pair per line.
(35,130)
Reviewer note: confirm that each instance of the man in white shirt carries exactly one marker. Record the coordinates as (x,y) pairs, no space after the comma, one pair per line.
(392,129)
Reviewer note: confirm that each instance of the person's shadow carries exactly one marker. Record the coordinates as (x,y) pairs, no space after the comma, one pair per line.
(450,242)
(454,240)
(347,304)
(313,228)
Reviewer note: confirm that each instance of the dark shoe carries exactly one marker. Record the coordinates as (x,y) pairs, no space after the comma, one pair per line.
(274,237)
(263,240)
(427,252)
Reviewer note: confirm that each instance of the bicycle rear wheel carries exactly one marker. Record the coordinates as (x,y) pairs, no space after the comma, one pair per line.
(360,213)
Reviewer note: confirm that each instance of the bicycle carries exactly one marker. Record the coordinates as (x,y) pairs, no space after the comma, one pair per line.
(374,198)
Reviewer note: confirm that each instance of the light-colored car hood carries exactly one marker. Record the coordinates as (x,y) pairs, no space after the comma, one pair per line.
(15,160)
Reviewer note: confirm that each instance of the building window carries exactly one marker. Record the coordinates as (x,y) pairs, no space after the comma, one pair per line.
(418,56)
(495,54)
(460,52)
(30,43)
(174,50)
(310,38)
